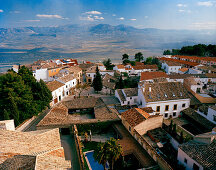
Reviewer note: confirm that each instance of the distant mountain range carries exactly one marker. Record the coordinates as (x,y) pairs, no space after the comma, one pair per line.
(93,42)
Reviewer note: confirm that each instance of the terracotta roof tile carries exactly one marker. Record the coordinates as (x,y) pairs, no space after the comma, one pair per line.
(136,116)
(152,75)
(183,69)
(164,91)
(66,78)
(179,61)
(120,66)
(202,153)
(142,67)
(53,85)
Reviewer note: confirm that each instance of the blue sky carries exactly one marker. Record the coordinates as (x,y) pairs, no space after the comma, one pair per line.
(163,14)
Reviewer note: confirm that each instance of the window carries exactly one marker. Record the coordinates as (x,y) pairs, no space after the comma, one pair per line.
(183,105)
(66,86)
(198,90)
(174,114)
(128,102)
(214,118)
(129,128)
(205,113)
(185,160)
(158,109)
(166,115)
(195,167)
(175,107)
(166,107)
(130,97)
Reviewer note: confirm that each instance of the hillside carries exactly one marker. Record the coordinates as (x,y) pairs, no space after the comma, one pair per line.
(92,42)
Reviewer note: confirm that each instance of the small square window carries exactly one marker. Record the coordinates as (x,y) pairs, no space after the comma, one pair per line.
(183,105)
(158,109)
(175,107)
(214,118)
(166,107)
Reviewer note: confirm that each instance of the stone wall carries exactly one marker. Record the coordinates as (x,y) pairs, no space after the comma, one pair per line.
(149,124)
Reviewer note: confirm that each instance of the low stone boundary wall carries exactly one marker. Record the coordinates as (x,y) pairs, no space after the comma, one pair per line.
(79,148)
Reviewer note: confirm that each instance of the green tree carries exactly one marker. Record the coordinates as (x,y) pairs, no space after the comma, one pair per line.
(167,52)
(174,130)
(115,151)
(171,126)
(125,59)
(109,151)
(101,154)
(120,83)
(108,64)
(22,96)
(15,97)
(80,87)
(138,56)
(97,82)
(148,60)
(6,115)
(181,137)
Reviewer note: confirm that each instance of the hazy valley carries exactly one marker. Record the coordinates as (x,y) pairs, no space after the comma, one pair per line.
(92,42)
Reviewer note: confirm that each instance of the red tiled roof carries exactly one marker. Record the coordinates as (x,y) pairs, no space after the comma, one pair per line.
(183,69)
(141,67)
(136,116)
(133,117)
(179,61)
(138,63)
(152,75)
(120,66)
(53,85)
(196,58)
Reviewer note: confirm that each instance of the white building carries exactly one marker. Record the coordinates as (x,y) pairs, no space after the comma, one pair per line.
(166,98)
(209,114)
(119,67)
(70,81)
(61,88)
(128,96)
(91,73)
(198,154)
(137,70)
(42,74)
(7,125)
(194,71)
(171,67)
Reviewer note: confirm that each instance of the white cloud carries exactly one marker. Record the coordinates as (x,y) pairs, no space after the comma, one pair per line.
(15,12)
(87,18)
(1,10)
(94,12)
(182,5)
(181,10)
(203,25)
(50,16)
(113,15)
(133,19)
(98,18)
(146,16)
(206,3)
(121,18)
(33,20)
